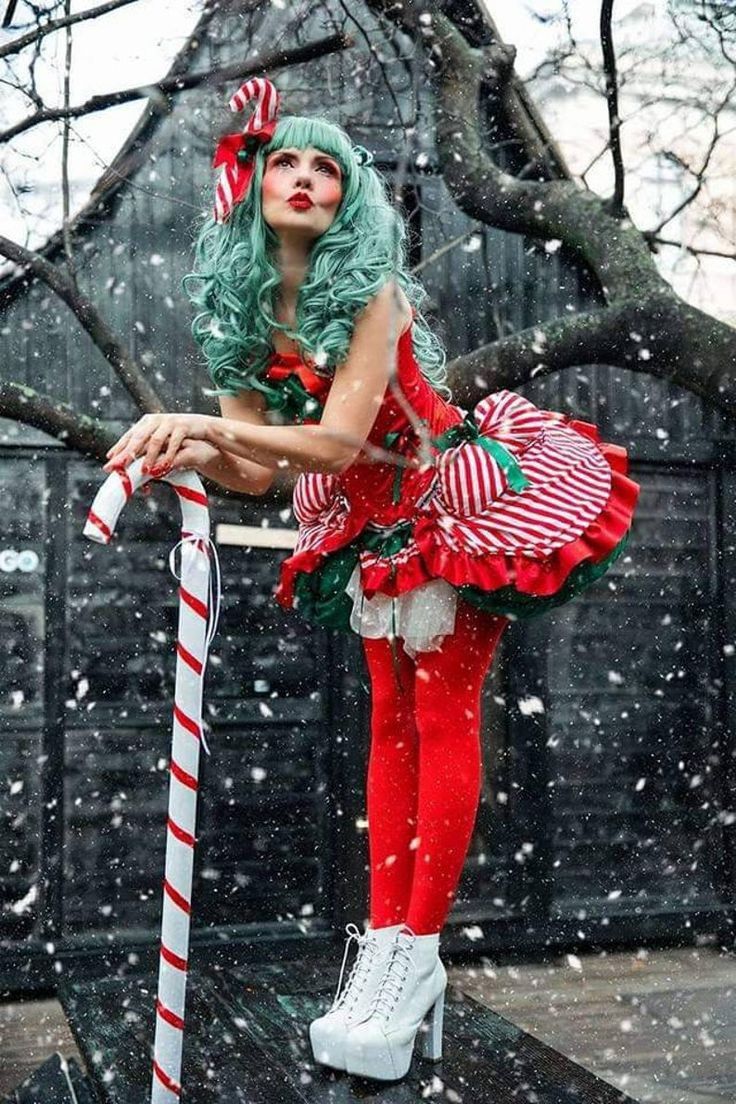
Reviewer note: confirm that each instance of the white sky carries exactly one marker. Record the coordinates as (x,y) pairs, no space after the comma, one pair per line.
(108,54)
(517,24)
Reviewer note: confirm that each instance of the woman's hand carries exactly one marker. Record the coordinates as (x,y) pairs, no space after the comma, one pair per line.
(158,438)
(194,455)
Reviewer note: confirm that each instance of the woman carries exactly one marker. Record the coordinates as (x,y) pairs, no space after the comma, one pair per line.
(421,527)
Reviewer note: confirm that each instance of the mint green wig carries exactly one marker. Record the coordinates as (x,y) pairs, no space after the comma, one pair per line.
(236,276)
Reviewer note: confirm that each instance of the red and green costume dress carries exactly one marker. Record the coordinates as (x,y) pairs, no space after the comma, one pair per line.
(513,509)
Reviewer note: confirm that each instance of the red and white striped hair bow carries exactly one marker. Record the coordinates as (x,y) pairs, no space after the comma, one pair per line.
(235,152)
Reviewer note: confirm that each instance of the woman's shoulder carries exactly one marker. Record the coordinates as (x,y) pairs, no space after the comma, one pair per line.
(391,297)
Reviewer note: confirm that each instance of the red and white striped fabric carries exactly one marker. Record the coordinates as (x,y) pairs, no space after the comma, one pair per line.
(475,509)
(198,611)
(319,507)
(235,175)
(570,485)
(569,482)
(313,491)
(470,478)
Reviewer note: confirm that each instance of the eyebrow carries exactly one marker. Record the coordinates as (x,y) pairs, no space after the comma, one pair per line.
(316,157)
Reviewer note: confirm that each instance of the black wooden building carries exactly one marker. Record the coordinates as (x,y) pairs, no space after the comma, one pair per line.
(606,812)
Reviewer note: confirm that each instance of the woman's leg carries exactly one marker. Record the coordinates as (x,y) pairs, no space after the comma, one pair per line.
(447,696)
(391,783)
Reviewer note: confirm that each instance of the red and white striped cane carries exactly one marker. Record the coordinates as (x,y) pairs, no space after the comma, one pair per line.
(199,605)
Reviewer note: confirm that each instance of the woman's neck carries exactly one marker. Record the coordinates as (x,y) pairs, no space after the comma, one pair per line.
(292,262)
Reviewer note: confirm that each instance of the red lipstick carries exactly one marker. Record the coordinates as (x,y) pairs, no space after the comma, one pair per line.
(301,201)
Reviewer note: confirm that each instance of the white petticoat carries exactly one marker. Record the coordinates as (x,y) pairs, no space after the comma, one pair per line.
(420,617)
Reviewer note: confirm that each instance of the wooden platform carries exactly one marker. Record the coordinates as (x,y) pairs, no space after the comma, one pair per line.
(659,1023)
(247,1043)
(31,1031)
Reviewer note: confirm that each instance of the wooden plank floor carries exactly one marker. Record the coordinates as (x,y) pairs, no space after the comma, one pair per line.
(30,1032)
(658,1024)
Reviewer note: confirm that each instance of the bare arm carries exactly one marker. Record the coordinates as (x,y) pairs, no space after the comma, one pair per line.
(229,471)
(234,472)
(355,396)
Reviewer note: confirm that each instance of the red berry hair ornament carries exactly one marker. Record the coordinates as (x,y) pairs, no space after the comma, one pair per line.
(236,152)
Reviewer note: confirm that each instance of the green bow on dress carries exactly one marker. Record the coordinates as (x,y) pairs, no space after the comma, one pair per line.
(468,430)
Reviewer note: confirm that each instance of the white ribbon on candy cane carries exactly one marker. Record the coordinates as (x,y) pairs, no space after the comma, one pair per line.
(214,600)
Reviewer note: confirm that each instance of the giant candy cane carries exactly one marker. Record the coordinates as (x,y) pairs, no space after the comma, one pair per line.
(199,600)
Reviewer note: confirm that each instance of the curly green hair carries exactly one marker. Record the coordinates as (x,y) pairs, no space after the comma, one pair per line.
(236,277)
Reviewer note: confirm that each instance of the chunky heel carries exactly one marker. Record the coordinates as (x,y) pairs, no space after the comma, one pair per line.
(431,1039)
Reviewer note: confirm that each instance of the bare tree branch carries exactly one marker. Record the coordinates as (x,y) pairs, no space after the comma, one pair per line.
(682,344)
(90,437)
(700,174)
(160,91)
(77,431)
(92,321)
(68,253)
(694,249)
(614,122)
(657,336)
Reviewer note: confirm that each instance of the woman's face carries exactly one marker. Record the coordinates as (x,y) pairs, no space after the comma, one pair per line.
(310,172)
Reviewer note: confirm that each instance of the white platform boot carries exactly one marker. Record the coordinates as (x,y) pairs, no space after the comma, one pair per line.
(327,1032)
(413,984)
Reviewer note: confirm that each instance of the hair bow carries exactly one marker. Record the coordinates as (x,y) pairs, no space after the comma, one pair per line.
(235,152)
(362,155)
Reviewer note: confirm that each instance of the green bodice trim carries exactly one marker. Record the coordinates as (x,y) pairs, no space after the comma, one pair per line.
(288,396)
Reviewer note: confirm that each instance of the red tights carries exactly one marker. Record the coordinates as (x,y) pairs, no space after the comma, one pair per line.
(424,769)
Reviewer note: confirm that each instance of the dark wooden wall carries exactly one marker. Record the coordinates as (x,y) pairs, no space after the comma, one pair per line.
(605,812)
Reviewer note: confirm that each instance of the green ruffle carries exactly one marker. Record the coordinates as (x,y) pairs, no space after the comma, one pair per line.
(509,600)
(321,596)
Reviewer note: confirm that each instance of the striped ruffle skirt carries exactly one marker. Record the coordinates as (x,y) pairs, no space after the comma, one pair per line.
(520,515)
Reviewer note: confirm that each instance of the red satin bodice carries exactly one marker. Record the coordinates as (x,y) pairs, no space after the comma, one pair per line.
(371,487)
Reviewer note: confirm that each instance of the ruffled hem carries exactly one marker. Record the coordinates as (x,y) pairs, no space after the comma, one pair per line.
(421,618)
(427,556)
(309,559)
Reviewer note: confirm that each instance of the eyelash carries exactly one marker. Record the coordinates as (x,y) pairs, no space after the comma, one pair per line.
(324,165)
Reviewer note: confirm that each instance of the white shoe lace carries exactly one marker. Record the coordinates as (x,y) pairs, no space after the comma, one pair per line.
(360,969)
(392,980)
